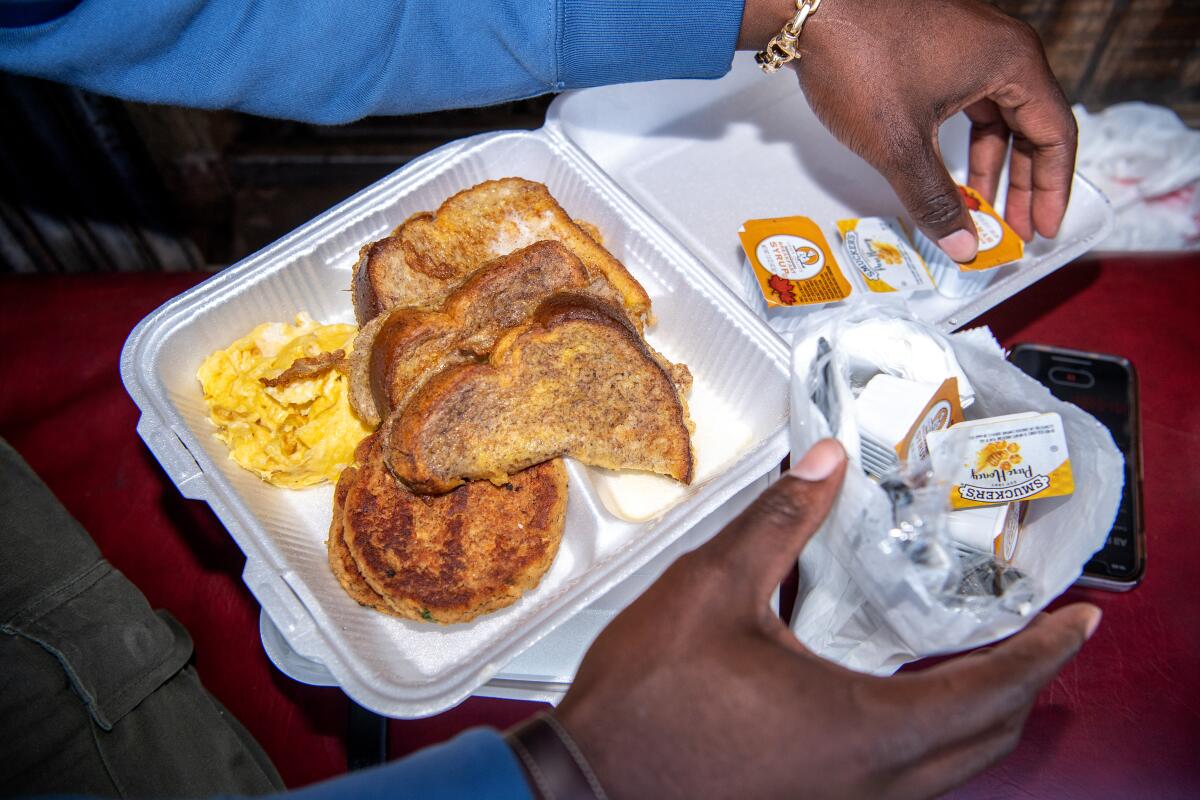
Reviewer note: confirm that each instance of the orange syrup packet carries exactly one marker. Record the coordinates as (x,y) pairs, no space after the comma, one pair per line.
(998,244)
(793,262)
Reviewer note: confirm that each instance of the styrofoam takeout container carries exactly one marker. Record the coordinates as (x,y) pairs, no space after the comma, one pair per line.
(669,171)
(402,668)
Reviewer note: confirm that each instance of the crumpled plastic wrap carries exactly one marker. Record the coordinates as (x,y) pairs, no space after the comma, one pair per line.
(880,583)
(1147,161)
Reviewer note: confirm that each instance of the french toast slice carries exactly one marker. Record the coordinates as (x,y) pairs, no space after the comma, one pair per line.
(395,352)
(448,558)
(575,380)
(432,253)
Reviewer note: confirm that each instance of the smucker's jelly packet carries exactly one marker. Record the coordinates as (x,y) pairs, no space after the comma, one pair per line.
(882,251)
(793,262)
(1003,459)
(998,244)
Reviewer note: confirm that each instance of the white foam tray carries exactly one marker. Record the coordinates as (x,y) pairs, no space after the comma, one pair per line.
(409,669)
(671,171)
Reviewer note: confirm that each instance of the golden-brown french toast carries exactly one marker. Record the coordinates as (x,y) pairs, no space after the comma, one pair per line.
(575,380)
(395,352)
(432,253)
(448,558)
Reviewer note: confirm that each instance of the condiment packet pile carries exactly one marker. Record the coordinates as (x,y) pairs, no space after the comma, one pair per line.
(954,544)
(792,264)
(914,430)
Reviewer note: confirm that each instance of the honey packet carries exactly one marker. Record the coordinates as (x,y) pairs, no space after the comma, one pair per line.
(1003,459)
(792,262)
(881,249)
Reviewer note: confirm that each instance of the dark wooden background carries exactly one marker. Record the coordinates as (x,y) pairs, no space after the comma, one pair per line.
(89,183)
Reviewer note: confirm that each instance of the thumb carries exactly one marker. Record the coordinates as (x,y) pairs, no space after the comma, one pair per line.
(759,547)
(920,180)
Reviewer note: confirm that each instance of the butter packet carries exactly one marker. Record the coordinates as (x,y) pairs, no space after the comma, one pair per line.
(942,411)
(895,417)
(998,244)
(881,249)
(1003,459)
(988,529)
(792,262)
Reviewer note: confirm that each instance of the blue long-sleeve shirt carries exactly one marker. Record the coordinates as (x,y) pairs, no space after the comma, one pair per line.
(331,61)
(475,764)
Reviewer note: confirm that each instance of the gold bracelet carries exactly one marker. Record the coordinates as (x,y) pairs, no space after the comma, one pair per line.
(782,48)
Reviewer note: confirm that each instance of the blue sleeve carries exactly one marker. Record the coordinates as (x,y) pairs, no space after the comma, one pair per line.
(332,61)
(475,764)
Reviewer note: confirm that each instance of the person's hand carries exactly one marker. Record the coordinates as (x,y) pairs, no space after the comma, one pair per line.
(699,690)
(884,76)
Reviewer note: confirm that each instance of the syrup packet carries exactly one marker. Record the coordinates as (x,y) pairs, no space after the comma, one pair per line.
(793,262)
(998,244)
(895,417)
(988,529)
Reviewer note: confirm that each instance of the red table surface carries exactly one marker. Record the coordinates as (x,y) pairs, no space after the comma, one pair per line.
(1122,720)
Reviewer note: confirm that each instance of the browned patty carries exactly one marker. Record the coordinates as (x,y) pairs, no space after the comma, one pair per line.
(340,560)
(452,557)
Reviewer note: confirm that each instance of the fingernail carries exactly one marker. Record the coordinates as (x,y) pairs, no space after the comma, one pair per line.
(960,245)
(820,461)
(1093,623)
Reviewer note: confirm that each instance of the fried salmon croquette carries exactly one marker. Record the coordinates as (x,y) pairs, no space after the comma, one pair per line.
(448,558)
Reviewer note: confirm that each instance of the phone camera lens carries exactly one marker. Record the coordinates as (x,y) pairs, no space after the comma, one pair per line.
(1075,378)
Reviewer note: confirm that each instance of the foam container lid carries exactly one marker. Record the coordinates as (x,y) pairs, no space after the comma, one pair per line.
(705,156)
(404,668)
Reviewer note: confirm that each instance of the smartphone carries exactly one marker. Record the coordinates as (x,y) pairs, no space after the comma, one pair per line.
(1105,386)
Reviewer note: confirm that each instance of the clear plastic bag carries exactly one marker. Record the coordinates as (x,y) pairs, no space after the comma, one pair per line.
(882,583)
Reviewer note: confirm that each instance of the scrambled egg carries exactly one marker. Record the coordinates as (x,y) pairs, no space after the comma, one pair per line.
(296,434)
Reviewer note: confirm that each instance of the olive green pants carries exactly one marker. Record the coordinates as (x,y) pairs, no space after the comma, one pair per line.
(96,695)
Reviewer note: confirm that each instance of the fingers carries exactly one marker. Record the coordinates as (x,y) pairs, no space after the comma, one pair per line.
(966,697)
(988,147)
(915,170)
(1045,136)
(1053,172)
(934,776)
(1018,208)
(757,549)
(939,771)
